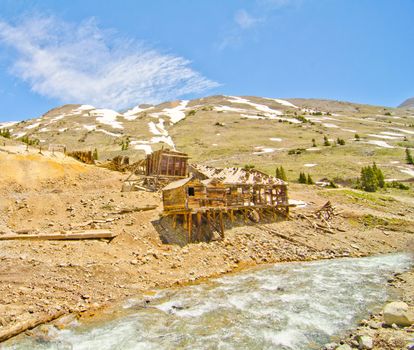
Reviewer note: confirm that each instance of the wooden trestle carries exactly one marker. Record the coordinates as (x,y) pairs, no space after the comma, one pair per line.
(213,217)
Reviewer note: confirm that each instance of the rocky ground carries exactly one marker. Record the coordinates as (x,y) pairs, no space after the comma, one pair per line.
(41,279)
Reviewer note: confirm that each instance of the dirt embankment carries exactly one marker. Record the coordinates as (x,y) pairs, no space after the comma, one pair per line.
(39,278)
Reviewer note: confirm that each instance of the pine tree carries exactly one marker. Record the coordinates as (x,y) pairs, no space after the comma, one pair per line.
(369,181)
(408,157)
(309,180)
(313,143)
(282,174)
(379,175)
(278,173)
(357,137)
(302,178)
(326,141)
(95,154)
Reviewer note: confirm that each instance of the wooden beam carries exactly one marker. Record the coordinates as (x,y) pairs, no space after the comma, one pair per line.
(75,235)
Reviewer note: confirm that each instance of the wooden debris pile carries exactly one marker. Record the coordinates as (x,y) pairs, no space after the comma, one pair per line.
(321,219)
(82,156)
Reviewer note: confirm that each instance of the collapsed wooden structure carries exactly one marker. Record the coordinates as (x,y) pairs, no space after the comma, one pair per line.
(210,193)
(159,169)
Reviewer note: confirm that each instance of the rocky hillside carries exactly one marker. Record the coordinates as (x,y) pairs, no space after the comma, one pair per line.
(408,103)
(322,137)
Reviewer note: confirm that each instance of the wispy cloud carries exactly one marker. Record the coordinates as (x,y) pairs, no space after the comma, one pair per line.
(245,20)
(245,23)
(81,63)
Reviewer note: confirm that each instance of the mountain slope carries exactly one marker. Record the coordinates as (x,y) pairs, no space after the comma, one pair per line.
(235,131)
(408,103)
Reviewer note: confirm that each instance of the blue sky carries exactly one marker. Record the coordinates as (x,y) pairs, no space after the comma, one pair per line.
(118,54)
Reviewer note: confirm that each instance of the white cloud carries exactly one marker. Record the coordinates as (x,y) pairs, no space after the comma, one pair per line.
(81,63)
(245,20)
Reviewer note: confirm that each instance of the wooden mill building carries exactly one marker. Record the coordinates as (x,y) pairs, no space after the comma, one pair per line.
(158,169)
(167,163)
(209,193)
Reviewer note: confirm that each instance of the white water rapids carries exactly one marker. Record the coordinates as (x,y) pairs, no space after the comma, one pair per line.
(281,306)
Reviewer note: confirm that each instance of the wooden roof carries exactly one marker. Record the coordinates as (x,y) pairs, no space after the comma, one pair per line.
(237,176)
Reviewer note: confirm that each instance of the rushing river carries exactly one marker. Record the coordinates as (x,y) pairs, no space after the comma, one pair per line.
(282,306)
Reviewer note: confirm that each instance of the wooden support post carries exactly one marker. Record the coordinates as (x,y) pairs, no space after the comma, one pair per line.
(208,219)
(245,216)
(174,221)
(190,226)
(231,215)
(221,223)
(199,221)
(185,221)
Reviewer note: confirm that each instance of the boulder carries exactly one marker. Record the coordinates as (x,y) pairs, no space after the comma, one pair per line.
(398,312)
(365,342)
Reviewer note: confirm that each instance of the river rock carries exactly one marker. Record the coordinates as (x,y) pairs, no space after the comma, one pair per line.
(365,342)
(330,346)
(344,347)
(398,312)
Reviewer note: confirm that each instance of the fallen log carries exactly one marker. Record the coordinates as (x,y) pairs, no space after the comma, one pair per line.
(20,327)
(135,209)
(75,235)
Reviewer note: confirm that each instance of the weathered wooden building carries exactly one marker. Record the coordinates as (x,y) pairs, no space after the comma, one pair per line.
(157,170)
(209,193)
(167,163)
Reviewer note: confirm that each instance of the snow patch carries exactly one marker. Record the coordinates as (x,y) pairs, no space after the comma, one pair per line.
(329,125)
(284,102)
(384,137)
(276,139)
(108,117)
(163,139)
(90,127)
(35,125)
(175,114)
(404,131)
(259,107)
(229,109)
(132,114)
(349,130)
(158,129)
(391,133)
(408,171)
(310,165)
(263,150)
(379,143)
(19,135)
(7,124)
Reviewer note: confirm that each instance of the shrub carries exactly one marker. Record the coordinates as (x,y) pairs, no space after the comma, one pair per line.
(408,157)
(340,141)
(5,133)
(313,143)
(95,154)
(248,167)
(399,185)
(357,137)
(326,141)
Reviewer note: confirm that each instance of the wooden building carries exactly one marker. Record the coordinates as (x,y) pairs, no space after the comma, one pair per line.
(167,163)
(157,170)
(209,193)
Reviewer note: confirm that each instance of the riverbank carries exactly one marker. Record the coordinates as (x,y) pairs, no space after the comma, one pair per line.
(376,333)
(40,279)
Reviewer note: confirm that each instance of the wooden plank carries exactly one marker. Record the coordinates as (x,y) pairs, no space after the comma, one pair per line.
(75,235)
